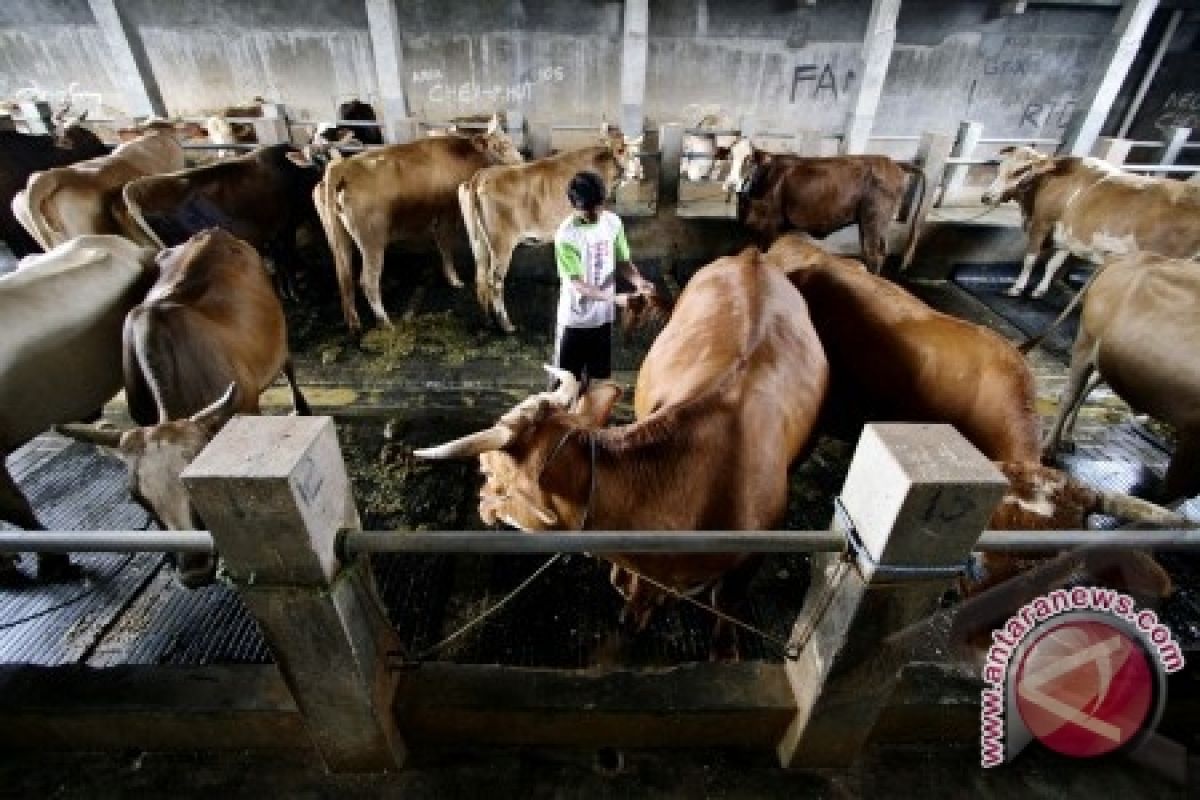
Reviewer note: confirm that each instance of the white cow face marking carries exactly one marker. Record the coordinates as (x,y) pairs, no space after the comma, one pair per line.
(1020,165)
(741,156)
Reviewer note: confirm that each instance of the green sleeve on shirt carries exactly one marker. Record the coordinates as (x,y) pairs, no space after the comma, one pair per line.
(622,246)
(570,264)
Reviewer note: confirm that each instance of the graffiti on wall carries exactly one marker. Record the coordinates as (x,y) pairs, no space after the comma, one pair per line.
(819,82)
(1038,115)
(1181,109)
(441,91)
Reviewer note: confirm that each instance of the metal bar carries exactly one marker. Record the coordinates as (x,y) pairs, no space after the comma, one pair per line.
(713,131)
(1011,140)
(106,541)
(1161,167)
(1046,541)
(232,146)
(358,123)
(894,139)
(355,542)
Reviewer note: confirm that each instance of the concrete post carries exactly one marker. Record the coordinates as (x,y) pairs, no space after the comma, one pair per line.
(633,67)
(670,144)
(1114,151)
(272,127)
(1115,60)
(919,495)
(384,24)
(274,493)
(969,134)
(932,153)
(877,52)
(1176,139)
(129,61)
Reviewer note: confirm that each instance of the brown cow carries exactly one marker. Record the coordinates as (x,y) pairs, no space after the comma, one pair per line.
(778,193)
(401,191)
(211,329)
(507,205)
(261,197)
(1138,331)
(1090,209)
(85,198)
(726,400)
(909,363)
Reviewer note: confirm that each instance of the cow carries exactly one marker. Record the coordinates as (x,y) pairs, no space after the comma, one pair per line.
(350,111)
(1091,209)
(777,193)
(261,197)
(902,361)
(208,339)
(60,355)
(400,191)
(727,398)
(1137,332)
(85,198)
(504,206)
(21,155)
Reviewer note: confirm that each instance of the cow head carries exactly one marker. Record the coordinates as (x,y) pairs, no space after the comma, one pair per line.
(496,144)
(1019,167)
(155,457)
(626,151)
(531,480)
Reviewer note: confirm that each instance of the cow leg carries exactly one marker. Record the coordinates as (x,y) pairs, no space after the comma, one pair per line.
(1037,240)
(443,237)
(15,508)
(299,404)
(1069,425)
(372,274)
(1082,366)
(1053,267)
(499,271)
(729,597)
(1183,473)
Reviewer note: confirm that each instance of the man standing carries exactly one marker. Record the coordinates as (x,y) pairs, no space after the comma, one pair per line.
(589,247)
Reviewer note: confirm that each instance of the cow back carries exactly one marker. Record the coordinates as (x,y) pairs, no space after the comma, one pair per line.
(60,356)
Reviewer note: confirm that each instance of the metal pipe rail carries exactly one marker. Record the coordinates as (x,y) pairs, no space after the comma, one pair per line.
(519,542)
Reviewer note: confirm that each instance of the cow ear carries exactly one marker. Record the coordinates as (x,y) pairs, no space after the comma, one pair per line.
(598,401)
(213,418)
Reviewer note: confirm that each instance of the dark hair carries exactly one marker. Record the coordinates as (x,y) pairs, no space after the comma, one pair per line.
(586,191)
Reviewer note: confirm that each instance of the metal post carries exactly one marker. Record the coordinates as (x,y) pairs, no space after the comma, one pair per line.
(384,24)
(633,67)
(877,52)
(274,492)
(919,496)
(129,61)
(1115,60)
(1114,151)
(1135,105)
(670,144)
(1176,139)
(969,134)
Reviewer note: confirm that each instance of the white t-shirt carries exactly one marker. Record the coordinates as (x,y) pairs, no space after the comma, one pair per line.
(589,252)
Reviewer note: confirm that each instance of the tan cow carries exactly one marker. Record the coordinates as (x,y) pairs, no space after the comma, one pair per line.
(1090,209)
(399,192)
(726,400)
(905,362)
(207,341)
(1138,332)
(525,203)
(60,353)
(85,198)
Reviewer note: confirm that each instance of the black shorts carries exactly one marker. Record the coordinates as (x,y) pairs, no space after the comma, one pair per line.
(585,351)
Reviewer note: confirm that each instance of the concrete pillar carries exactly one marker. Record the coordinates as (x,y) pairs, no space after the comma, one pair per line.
(670,144)
(129,61)
(384,24)
(919,495)
(1176,138)
(877,52)
(633,67)
(274,493)
(271,127)
(969,134)
(1114,151)
(1114,62)
(932,153)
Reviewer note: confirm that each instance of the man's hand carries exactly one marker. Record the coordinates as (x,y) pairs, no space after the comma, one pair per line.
(621,300)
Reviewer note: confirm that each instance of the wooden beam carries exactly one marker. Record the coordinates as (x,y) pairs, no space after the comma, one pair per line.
(877,53)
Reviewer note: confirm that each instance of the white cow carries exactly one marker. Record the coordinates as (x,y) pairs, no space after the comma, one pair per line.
(60,355)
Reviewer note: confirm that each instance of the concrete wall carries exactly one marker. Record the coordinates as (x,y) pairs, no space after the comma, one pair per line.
(791,65)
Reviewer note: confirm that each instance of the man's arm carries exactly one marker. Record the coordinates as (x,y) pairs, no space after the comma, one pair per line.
(626,267)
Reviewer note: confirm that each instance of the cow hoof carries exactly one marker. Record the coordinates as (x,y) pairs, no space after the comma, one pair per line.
(1038,294)
(506,326)
(9,574)
(57,568)
(455,283)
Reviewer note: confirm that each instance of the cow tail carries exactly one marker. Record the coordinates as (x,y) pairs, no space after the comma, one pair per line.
(481,244)
(29,207)
(325,198)
(915,219)
(1032,342)
(132,217)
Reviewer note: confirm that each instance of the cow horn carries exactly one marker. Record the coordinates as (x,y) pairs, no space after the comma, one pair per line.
(1133,509)
(89,434)
(568,386)
(485,441)
(213,418)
